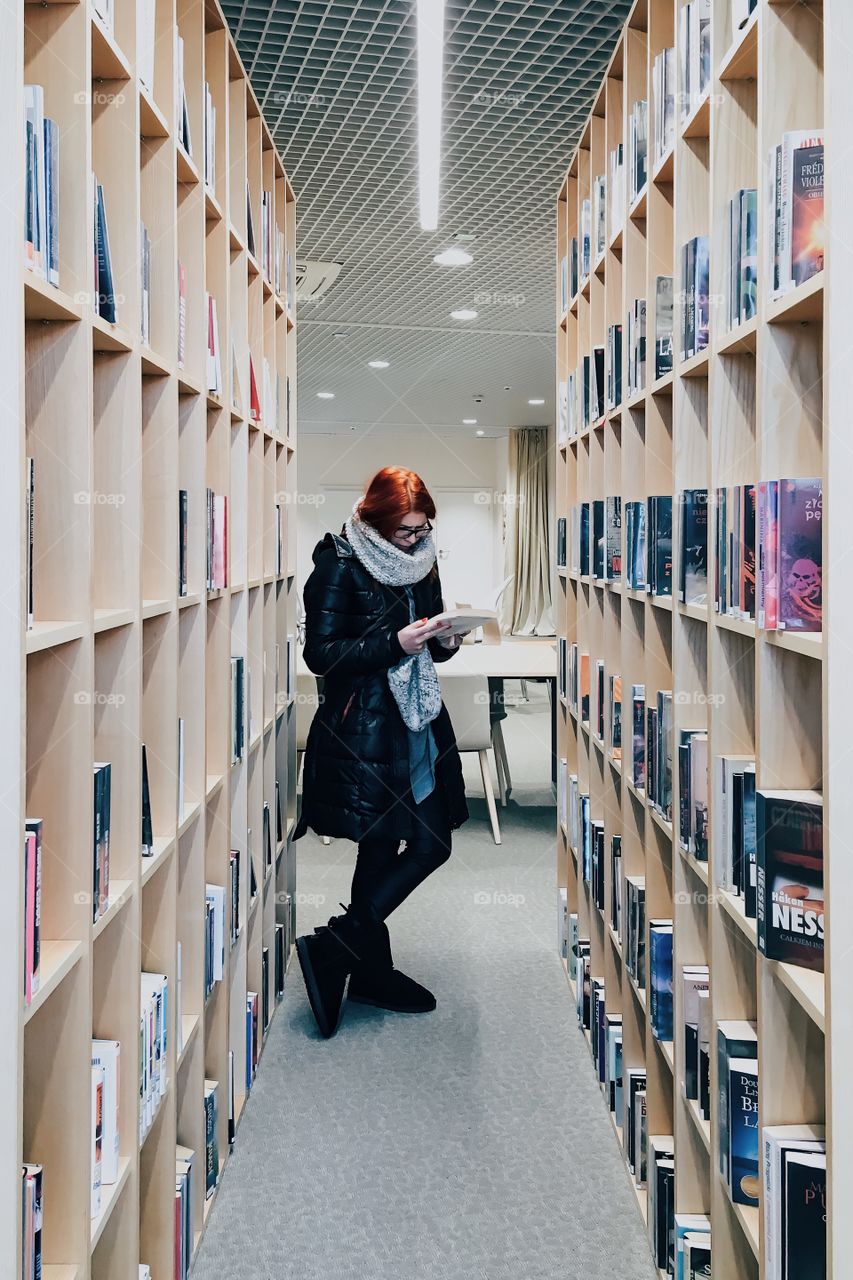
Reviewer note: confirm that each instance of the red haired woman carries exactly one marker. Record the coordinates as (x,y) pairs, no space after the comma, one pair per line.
(381,764)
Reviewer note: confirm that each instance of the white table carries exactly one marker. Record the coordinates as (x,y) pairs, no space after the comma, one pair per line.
(513,659)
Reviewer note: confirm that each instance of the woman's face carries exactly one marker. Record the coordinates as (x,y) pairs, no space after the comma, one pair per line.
(412,528)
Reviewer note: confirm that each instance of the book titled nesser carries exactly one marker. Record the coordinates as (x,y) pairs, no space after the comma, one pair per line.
(790,890)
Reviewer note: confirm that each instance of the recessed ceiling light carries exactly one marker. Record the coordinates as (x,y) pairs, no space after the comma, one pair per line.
(479,433)
(325,395)
(465,313)
(469,422)
(378,364)
(454,257)
(535,401)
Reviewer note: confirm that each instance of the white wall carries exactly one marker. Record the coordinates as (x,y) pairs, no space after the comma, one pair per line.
(332,470)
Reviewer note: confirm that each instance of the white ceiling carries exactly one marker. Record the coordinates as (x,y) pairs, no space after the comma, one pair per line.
(337,84)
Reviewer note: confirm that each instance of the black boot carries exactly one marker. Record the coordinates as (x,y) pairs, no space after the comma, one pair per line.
(377,982)
(326,958)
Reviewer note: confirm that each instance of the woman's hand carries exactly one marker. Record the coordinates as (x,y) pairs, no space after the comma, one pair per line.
(452,642)
(413,638)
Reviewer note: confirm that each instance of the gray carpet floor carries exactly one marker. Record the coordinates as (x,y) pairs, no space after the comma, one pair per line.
(466,1144)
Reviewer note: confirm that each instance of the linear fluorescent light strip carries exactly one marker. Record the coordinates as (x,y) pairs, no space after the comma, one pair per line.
(430,59)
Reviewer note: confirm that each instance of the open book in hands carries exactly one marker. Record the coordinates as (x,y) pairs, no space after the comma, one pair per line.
(464,619)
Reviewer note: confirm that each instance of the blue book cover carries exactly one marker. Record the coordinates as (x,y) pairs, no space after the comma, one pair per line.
(743,1130)
(660,945)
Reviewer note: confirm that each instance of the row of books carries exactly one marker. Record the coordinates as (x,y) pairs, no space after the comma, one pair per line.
(663,100)
(106,1072)
(214,358)
(743,256)
(153,1046)
(214,936)
(211,1139)
(184,1228)
(217,540)
(182,123)
(32,1221)
(32,907)
(102,263)
(637,148)
(693,792)
(241,729)
(694,53)
(41,187)
(790,560)
(795,234)
(695,299)
(101,852)
(209,139)
(144,285)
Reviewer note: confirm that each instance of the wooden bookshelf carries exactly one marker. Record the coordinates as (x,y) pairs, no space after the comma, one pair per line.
(116,655)
(756,404)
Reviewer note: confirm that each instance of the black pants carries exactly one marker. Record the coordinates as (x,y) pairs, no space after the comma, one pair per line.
(384,877)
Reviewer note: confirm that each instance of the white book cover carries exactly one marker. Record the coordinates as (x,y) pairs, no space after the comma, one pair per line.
(107,1055)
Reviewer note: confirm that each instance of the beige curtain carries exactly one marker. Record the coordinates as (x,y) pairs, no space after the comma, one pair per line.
(526,606)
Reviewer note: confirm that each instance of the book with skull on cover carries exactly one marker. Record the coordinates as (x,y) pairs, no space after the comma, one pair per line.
(800,557)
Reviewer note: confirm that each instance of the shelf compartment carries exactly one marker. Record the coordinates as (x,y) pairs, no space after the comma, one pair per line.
(741,60)
(57,961)
(110,1195)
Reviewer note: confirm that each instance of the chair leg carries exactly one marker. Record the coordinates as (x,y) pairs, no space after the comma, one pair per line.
(500,750)
(524,693)
(489,793)
(499,766)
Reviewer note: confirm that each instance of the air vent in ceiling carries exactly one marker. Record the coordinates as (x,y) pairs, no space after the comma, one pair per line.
(313,279)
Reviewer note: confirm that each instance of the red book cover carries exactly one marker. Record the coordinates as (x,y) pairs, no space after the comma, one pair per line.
(254,401)
(800,526)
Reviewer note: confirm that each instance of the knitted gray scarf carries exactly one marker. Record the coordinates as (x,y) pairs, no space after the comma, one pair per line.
(413,681)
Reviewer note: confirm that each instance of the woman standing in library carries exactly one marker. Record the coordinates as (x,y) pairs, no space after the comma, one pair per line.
(381,763)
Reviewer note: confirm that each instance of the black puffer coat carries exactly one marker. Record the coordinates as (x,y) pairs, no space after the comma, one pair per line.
(356,757)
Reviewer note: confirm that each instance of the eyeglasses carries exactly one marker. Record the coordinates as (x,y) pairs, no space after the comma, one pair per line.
(414,531)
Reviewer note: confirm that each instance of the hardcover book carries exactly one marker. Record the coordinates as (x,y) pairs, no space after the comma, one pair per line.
(800,521)
(743,1130)
(790,888)
(805,1215)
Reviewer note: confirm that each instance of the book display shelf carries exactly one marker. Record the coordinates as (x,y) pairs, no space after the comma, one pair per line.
(144,592)
(754,404)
